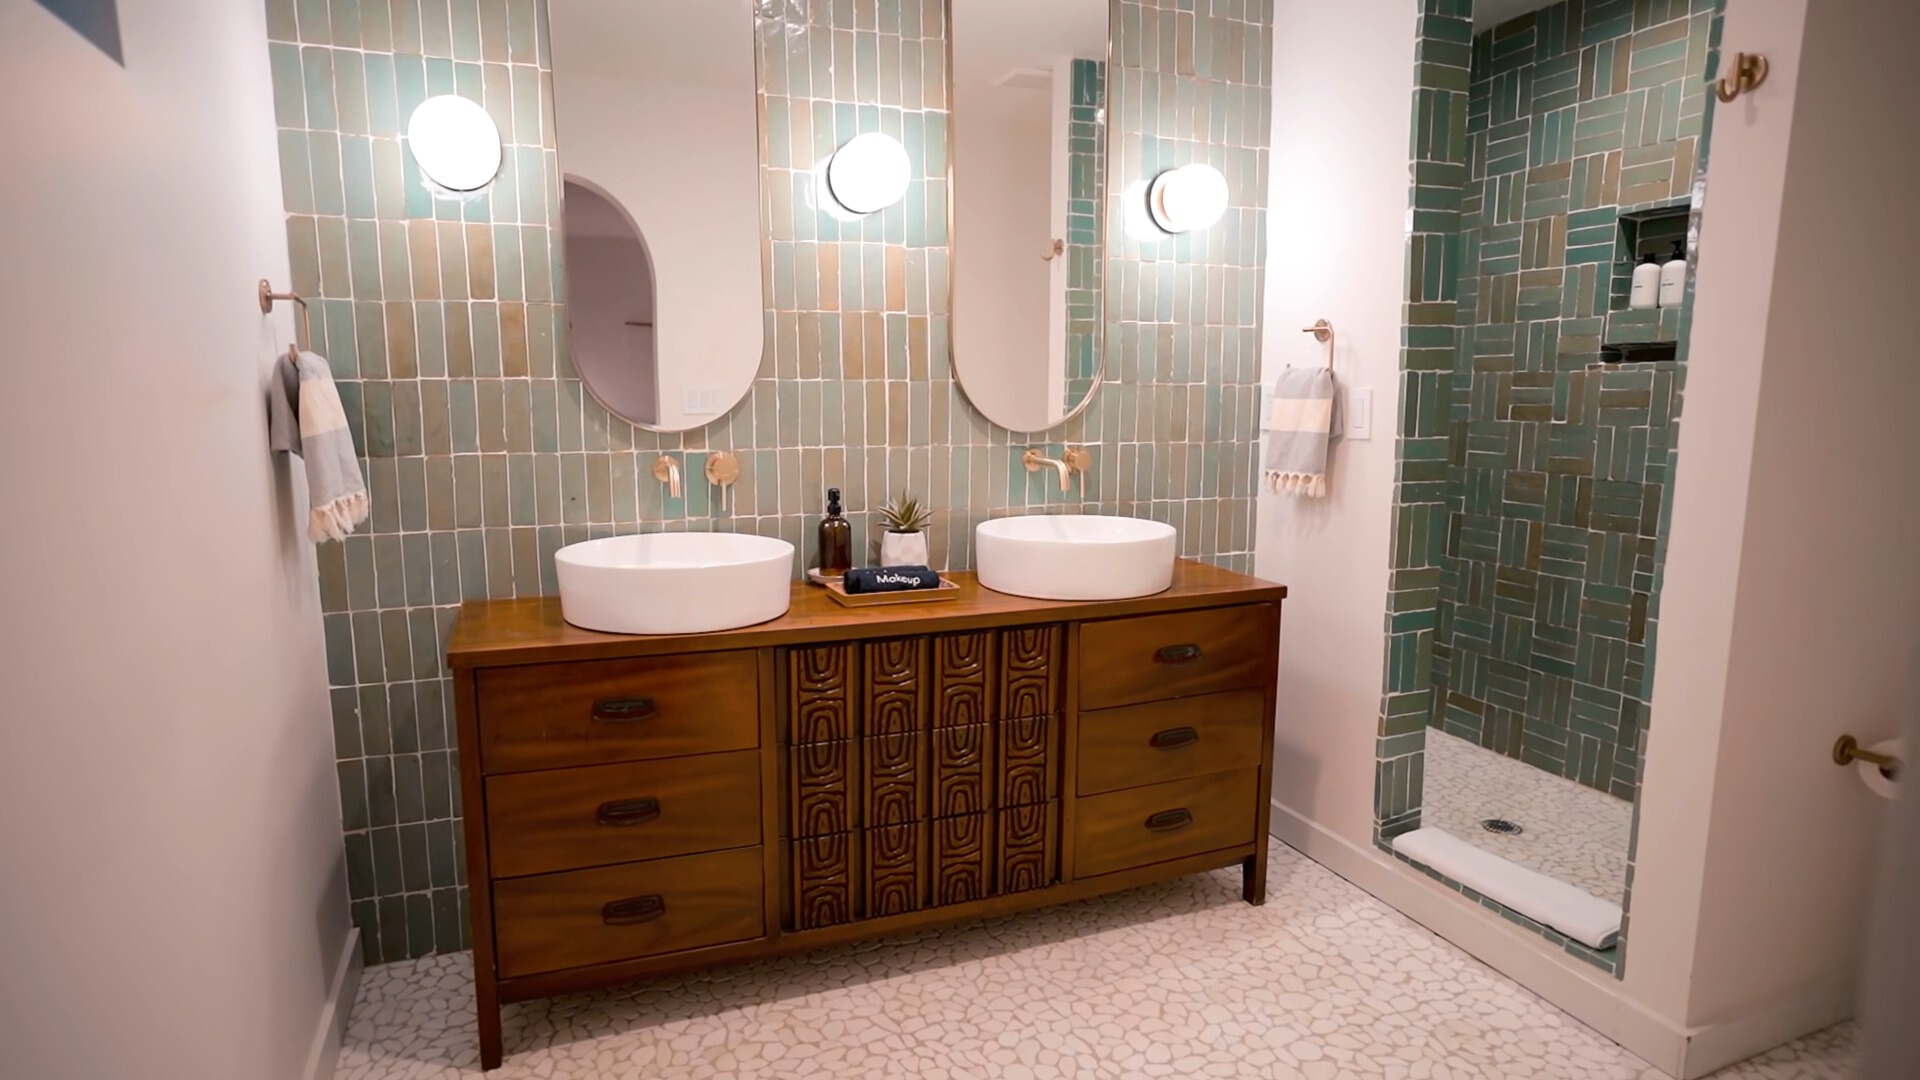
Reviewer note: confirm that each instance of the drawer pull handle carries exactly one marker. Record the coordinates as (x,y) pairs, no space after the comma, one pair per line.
(626,710)
(1170,820)
(634,910)
(628,811)
(1176,654)
(1174,738)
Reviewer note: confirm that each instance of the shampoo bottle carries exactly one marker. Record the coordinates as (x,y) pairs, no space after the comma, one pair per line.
(1646,285)
(1673,276)
(836,538)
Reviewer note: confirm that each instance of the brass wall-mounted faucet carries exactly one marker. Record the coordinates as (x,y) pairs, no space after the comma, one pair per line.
(1073,459)
(667,471)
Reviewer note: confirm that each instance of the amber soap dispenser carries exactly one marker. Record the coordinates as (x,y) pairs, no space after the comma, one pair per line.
(836,539)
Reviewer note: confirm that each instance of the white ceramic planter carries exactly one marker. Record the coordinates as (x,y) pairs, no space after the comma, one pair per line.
(903,549)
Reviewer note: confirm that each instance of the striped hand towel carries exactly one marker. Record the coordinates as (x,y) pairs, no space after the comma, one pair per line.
(1304,417)
(304,417)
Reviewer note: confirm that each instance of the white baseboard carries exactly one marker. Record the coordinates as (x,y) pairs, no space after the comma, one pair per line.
(332,1027)
(1586,993)
(1715,1046)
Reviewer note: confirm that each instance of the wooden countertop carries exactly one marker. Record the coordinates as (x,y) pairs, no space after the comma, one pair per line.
(494,633)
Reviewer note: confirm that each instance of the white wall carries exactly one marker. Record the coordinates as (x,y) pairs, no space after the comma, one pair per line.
(1003,292)
(1699,599)
(1821,626)
(655,105)
(1337,207)
(172,899)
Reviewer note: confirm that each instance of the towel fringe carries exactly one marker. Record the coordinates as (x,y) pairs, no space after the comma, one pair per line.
(335,519)
(1305,485)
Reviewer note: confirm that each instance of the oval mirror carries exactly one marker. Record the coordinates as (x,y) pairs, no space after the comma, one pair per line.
(656,110)
(1029,188)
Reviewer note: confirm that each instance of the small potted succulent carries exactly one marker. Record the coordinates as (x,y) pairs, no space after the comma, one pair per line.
(905,541)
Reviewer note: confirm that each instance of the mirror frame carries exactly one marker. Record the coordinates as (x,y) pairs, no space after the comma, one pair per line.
(954,245)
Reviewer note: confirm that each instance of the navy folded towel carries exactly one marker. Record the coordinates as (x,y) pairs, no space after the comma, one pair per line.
(872,579)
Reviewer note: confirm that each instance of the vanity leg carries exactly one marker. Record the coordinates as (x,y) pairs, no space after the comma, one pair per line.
(487,1000)
(1253,878)
(486,975)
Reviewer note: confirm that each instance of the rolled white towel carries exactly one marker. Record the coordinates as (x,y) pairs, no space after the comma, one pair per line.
(1585,918)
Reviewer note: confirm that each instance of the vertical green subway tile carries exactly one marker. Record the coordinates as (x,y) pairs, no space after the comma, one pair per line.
(356,168)
(318,75)
(350,91)
(323,154)
(382,95)
(389,179)
(465,29)
(296,173)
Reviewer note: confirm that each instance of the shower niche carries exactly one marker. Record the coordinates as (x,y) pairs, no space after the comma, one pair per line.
(1647,334)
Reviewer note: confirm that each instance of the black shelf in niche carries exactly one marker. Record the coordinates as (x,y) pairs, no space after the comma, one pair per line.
(1651,352)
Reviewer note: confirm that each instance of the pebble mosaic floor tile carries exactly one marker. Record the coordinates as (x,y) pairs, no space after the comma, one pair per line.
(1571,832)
(1180,980)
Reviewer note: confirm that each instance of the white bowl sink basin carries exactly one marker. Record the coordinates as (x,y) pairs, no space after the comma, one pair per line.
(1074,556)
(674,583)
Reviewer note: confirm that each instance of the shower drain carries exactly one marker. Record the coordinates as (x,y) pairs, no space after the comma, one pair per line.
(1502,826)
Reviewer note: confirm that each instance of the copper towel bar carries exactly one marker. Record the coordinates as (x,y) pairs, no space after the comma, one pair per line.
(1322,331)
(268,296)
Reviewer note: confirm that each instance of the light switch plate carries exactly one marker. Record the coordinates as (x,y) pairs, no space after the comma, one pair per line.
(1360,413)
(700,401)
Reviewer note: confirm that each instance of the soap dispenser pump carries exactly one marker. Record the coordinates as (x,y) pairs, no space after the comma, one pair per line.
(1646,285)
(1673,276)
(836,539)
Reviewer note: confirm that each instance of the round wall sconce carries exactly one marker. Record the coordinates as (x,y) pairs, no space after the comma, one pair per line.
(1187,199)
(869,173)
(456,143)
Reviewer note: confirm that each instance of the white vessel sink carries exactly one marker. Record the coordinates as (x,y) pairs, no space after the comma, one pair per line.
(674,583)
(1075,556)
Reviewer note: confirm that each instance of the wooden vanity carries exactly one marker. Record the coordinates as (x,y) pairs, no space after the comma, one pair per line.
(642,805)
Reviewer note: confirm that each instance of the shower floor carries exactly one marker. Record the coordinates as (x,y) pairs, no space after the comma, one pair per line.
(1571,832)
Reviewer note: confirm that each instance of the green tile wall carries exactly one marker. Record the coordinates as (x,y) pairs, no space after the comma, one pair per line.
(1533,492)
(1558,463)
(1428,339)
(444,323)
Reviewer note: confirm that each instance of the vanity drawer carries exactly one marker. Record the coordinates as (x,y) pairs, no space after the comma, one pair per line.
(623,912)
(548,716)
(1170,740)
(1155,657)
(1145,825)
(564,819)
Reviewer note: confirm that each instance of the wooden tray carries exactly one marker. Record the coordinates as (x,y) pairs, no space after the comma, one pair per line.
(948,590)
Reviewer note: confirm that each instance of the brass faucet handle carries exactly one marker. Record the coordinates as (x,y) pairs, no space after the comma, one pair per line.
(722,470)
(1078,458)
